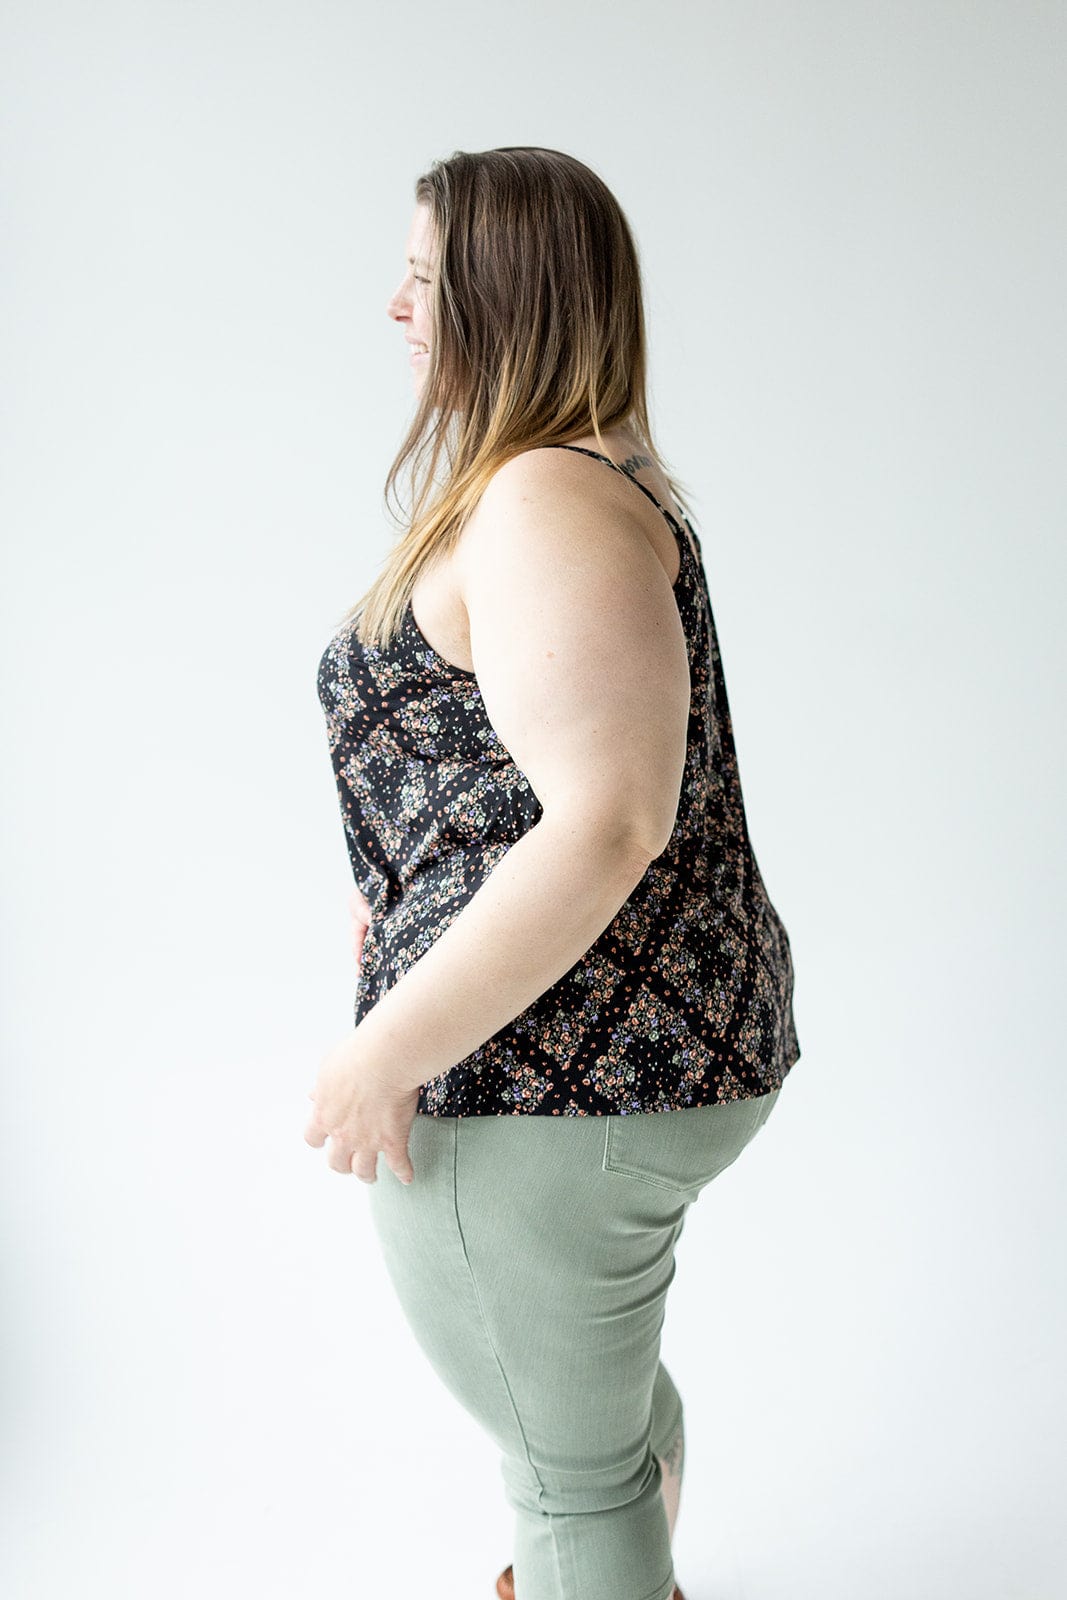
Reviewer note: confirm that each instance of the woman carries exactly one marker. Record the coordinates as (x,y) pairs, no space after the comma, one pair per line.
(575,996)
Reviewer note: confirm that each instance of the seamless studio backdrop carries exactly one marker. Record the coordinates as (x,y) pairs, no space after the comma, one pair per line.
(851,224)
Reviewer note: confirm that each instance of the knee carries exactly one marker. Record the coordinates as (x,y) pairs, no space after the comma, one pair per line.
(596,1487)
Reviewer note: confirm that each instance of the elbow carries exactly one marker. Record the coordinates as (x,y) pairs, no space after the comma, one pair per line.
(646,823)
(631,818)
(642,840)
(621,832)
(653,836)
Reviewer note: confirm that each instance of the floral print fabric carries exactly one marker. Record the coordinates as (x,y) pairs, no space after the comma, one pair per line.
(686,997)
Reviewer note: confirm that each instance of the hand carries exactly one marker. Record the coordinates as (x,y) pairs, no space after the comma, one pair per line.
(361,1113)
(359,906)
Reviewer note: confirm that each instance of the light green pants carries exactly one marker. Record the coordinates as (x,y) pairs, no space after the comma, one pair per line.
(532,1257)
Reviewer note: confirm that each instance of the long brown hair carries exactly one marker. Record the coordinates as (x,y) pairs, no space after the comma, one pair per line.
(538,339)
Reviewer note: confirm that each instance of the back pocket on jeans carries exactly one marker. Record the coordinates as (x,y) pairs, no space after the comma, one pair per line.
(682,1150)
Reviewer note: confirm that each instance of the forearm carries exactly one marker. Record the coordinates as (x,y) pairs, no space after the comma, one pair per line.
(541,908)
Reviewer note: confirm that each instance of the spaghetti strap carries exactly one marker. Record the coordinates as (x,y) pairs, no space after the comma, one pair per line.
(598,457)
(685,535)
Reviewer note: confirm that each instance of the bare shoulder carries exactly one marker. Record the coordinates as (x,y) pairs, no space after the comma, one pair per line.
(548,499)
(576,638)
(549,470)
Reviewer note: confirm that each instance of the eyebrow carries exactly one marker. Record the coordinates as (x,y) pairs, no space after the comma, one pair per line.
(417,261)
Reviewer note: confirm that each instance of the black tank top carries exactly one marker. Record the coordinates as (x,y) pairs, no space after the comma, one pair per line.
(685,999)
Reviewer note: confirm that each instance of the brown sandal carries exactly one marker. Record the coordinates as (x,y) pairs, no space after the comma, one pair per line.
(505,1586)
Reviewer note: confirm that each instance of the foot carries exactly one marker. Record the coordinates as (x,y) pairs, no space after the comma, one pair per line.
(505,1586)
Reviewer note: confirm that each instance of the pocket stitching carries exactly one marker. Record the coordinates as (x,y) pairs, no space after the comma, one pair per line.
(613,1164)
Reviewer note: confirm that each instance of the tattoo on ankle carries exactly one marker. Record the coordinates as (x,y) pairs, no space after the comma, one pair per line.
(673,1456)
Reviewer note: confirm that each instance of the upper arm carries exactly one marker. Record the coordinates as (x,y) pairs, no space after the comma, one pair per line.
(577,645)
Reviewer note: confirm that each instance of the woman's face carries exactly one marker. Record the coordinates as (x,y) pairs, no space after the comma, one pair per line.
(410,304)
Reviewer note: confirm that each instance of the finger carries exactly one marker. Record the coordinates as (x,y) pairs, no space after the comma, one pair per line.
(340,1155)
(315,1133)
(359,905)
(365,1165)
(399,1161)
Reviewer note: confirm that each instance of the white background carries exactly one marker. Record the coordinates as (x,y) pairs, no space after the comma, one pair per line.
(851,219)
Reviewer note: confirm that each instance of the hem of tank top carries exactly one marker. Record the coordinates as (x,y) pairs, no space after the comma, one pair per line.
(706,1105)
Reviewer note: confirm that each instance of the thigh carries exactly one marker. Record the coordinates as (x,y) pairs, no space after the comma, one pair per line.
(570,1227)
(424,1252)
(573,1271)
(534,1281)
(533,1256)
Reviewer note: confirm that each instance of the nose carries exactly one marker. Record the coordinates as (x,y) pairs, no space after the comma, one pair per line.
(398,307)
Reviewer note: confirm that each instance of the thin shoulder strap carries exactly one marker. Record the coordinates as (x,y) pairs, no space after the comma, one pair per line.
(581,449)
